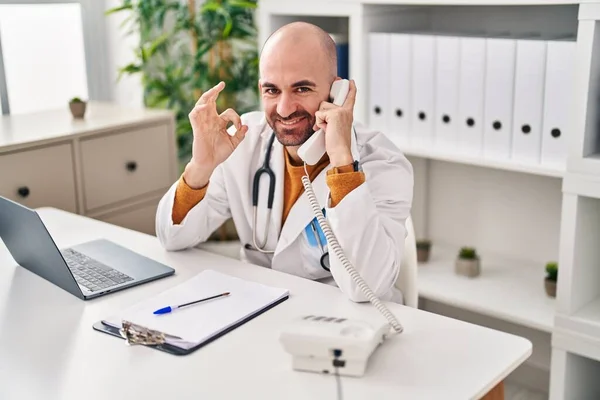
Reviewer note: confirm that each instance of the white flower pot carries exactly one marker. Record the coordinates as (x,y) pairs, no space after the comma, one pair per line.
(470,268)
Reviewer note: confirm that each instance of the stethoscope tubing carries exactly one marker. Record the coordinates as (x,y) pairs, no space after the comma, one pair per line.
(266,169)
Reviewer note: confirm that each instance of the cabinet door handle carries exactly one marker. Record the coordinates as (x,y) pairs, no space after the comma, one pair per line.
(23,191)
(131,166)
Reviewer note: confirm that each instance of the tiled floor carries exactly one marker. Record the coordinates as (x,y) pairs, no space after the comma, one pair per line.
(515,392)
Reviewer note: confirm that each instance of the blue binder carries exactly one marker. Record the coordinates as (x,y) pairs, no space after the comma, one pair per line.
(342,49)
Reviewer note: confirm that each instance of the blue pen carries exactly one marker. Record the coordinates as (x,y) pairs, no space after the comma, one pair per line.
(168,309)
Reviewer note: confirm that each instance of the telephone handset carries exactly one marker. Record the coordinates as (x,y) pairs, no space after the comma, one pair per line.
(319,343)
(313,149)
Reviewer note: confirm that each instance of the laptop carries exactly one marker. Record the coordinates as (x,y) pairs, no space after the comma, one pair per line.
(87,270)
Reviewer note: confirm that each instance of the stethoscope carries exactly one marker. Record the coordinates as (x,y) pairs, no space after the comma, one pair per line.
(324,260)
(266,169)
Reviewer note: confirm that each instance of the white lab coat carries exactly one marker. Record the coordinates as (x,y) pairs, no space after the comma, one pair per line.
(369,222)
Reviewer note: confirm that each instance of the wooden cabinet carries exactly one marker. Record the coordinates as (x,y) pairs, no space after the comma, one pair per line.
(125,165)
(40,177)
(114,165)
(140,217)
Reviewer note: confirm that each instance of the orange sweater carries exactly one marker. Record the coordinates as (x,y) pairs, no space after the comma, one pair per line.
(341,181)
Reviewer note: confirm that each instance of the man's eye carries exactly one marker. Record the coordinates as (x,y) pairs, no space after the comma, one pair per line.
(271,91)
(303,89)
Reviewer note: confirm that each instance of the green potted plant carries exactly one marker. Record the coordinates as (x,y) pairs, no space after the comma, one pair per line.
(551,277)
(468,263)
(423,250)
(77,107)
(186,47)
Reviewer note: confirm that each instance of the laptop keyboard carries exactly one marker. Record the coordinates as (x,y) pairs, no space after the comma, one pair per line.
(92,274)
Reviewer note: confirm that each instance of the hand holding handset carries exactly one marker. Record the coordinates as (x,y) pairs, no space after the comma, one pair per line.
(316,344)
(313,149)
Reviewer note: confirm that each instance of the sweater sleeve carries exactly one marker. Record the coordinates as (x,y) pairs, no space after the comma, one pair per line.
(186,198)
(342,180)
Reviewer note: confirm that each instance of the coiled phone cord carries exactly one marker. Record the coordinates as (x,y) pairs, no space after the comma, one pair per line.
(335,246)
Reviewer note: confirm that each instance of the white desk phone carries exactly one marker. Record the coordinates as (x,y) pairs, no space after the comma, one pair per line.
(322,343)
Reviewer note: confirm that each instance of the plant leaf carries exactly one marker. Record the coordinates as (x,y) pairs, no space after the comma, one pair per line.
(243,4)
(117,9)
(173,71)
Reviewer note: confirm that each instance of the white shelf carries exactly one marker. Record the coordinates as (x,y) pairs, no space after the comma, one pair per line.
(508,290)
(589,165)
(589,10)
(584,324)
(576,343)
(455,157)
(582,184)
(48,125)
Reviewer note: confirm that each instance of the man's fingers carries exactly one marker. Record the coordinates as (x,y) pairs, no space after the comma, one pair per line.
(325,105)
(239,135)
(211,94)
(351,98)
(321,116)
(320,120)
(232,116)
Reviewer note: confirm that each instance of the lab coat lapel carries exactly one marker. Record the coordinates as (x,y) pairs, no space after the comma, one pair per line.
(301,213)
(278,166)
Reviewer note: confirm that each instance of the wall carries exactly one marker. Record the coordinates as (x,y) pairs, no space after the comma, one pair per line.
(127,91)
(502,213)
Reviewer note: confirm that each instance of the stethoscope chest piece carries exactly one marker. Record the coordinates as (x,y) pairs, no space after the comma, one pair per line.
(325,261)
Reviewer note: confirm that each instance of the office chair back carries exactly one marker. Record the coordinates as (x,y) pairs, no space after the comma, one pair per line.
(407,281)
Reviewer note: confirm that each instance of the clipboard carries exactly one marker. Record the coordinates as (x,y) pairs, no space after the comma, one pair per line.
(197,325)
(102,326)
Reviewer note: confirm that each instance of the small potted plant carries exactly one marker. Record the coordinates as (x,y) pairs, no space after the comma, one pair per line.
(551,277)
(77,107)
(423,249)
(467,262)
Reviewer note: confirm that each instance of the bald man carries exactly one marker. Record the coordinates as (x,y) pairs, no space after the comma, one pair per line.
(363,183)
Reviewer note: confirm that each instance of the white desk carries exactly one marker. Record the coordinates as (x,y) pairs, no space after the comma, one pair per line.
(48,349)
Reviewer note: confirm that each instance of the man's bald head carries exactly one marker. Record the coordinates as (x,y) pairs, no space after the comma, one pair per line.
(298,65)
(302,38)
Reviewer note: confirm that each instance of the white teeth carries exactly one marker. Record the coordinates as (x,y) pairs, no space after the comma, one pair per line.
(290,122)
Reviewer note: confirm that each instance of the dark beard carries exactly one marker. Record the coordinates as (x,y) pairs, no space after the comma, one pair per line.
(292,137)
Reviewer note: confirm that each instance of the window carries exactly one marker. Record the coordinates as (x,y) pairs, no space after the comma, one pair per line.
(50,53)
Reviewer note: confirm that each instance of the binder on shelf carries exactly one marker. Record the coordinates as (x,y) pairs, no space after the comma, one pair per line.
(423,90)
(560,66)
(400,87)
(341,46)
(379,73)
(471,95)
(447,70)
(528,100)
(498,98)
(187,329)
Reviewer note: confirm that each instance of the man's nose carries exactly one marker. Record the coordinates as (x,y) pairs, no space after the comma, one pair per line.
(285,106)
